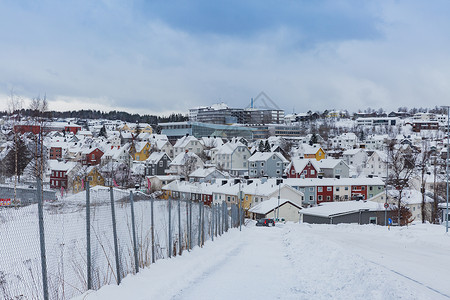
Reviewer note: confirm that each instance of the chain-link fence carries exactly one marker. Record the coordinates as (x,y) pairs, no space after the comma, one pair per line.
(60,249)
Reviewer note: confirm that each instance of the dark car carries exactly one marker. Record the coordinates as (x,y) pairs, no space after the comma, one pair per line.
(265,222)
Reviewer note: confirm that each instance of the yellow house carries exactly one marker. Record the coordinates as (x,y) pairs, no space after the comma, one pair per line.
(314,153)
(92,175)
(143,127)
(140,151)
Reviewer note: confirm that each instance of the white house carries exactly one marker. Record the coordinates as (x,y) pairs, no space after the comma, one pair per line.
(376,164)
(355,157)
(232,157)
(187,143)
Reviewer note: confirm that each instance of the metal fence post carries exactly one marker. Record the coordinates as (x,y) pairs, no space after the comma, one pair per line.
(152,200)
(170,228)
(116,246)
(203,223)
(199,222)
(42,237)
(190,224)
(224,211)
(226,218)
(179,228)
(88,237)
(133,225)
(212,222)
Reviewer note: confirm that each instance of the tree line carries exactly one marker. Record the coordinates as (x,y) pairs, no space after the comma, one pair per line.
(97,114)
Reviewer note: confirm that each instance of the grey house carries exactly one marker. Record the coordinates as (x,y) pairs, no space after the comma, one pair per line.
(359,212)
(271,164)
(333,168)
(157,164)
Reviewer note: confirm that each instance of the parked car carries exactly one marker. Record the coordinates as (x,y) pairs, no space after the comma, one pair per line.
(265,222)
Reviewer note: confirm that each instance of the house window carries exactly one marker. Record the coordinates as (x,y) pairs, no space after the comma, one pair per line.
(319,197)
(311,198)
(93,156)
(373,220)
(228,199)
(262,164)
(346,197)
(363,188)
(329,188)
(337,189)
(256,199)
(319,189)
(328,198)
(160,163)
(311,189)
(346,188)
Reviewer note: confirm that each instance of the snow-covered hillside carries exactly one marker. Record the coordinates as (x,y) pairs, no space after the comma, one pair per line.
(301,261)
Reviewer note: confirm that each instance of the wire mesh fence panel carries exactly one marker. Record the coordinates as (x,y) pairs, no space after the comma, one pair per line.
(20,259)
(104,268)
(65,244)
(71,256)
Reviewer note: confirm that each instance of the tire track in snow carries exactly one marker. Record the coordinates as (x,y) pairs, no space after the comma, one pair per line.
(208,272)
(409,278)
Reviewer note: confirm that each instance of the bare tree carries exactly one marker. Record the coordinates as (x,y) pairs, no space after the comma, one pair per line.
(422,165)
(401,163)
(189,164)
(14,106)
(39,108)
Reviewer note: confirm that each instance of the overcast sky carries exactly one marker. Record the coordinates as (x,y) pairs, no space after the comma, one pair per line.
(160,57)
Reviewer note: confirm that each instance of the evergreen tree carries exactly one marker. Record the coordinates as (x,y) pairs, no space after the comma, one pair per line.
(267,147)
(23,158)
(103,131)
(314,139)
(261,146)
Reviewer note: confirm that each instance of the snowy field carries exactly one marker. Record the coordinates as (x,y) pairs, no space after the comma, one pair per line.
(301,261)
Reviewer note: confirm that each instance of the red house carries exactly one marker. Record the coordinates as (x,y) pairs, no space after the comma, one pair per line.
(324,193)
(302,168)
(72,128)
(59,173)
(35,129)
(207,199)
(91,157)
(359,191)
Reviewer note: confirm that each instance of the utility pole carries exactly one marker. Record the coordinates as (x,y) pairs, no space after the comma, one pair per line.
(446,163)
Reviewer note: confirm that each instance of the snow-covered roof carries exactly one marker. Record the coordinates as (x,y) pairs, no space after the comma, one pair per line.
(300,163)
(330,209)
(181,158)
(229,147)
(203,172)
(267,206)
(183,141)
(410,196)
(155,157)
(264,156)
(55,165)
(352,151)
(303,182)
(329,163)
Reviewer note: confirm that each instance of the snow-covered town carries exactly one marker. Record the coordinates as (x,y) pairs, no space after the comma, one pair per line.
(366,169)
(224,150)
(311,159)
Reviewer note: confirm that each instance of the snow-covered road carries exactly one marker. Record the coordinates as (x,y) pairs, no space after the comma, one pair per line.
(299,261)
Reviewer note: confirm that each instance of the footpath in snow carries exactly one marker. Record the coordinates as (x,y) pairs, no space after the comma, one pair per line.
(300,261)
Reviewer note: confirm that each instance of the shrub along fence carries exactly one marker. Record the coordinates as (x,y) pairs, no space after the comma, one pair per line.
(60,249)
